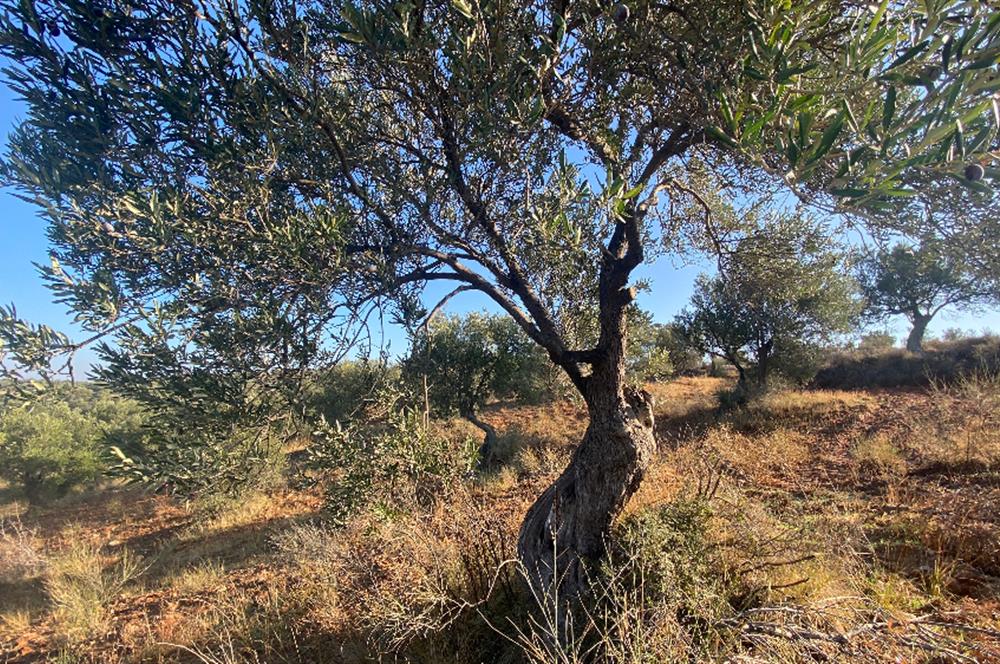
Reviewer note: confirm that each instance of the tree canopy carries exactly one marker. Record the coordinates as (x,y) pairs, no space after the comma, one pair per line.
(461,362)
(658,351)
(918,282)
(778,296)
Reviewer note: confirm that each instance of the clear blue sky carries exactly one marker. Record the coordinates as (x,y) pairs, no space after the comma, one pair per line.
(23,242)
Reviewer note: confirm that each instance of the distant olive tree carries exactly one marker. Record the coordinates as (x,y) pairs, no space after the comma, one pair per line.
(63,440)
(776,300)
(874,343)
(918,281)
(963,221)
(660,351)
(461,362)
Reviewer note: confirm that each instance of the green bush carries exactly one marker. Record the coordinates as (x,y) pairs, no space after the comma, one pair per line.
(341,391)
(659,351)
(470,360)
(46,451)
(876,342)
(58,442)
(386,456)
(668,547)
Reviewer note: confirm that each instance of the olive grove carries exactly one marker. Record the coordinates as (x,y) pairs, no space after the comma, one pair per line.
(235,191)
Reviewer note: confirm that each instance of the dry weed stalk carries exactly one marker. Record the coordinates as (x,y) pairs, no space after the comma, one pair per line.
(813,628)
(19,556)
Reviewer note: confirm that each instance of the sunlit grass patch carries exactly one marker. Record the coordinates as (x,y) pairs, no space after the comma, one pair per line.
(761,457)
(786,407)
(962,424)
(203,577)
(82,587)
(20,550)
(221,513)
(878,456)
(15,622)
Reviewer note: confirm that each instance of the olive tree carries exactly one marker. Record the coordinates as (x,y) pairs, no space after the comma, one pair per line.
(461,362)
(962,222)
(918,282)
(778,297)
(239,185)
(62,441)
(659,350)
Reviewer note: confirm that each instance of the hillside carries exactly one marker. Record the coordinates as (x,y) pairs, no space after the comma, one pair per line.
(818,525)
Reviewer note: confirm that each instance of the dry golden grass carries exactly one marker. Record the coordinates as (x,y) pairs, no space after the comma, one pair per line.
(17,621)
(683,397)
(82,586)
(879,454)
(816,512)
(20,550)
(760,458)
(203,577)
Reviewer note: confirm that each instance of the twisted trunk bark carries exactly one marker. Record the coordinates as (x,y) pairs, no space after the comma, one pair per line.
(566,529)
(742,382)
(915,342)
(764,364)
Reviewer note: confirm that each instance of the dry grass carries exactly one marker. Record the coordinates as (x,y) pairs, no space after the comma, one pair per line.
(878,457)
(82,587)
(799,408)
(962,424)
(16,622)
(19,550)
(761,458)
(808,526)
(203,577)
(406,582)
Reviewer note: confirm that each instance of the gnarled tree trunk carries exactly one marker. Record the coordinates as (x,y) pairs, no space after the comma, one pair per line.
(488,449)
(914,342)
(764,364)
(567,527)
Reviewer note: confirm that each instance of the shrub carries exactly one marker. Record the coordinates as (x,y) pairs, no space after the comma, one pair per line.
(19,551)
(49,449)
(670,550)
(59,441)
(386,455)
(422,587)
(341,391)
(878,457)
(965,419)
(677,579)
(876,342)
(658,351)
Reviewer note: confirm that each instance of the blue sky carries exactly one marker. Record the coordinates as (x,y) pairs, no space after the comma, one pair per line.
(23,242)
